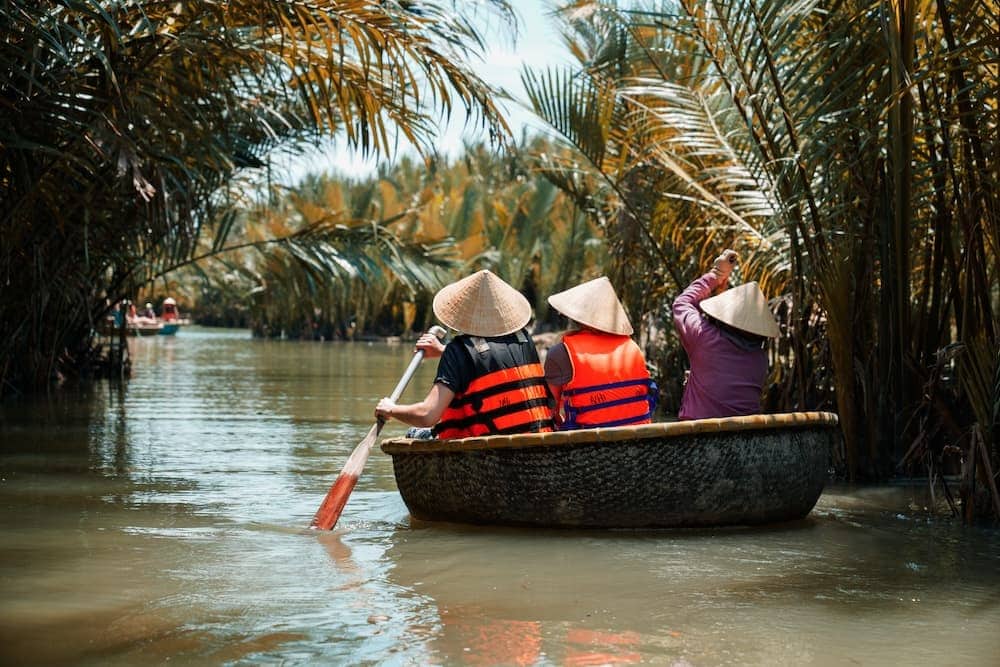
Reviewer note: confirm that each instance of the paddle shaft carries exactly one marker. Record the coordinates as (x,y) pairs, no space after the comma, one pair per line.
(333,504)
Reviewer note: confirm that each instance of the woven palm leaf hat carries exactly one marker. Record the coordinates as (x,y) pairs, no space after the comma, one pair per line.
(744,308)
(594,304)
(482,305)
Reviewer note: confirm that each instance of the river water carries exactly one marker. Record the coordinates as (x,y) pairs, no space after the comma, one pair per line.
(164,521)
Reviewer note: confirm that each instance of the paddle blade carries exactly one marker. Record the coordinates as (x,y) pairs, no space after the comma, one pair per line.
(333,504)
(329,512)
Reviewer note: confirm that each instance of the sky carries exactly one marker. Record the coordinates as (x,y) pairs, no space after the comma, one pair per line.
(537,44)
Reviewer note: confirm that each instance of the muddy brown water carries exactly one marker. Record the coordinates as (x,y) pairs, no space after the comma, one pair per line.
(164,522)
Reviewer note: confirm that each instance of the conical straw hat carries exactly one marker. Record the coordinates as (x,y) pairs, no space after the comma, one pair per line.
(482,305)
(744,308)
(594,304)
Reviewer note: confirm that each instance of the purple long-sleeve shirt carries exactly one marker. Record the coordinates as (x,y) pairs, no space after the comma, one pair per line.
(727,374)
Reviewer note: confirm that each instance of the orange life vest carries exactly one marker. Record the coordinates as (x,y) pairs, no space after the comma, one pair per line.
(610,384)
(510,400)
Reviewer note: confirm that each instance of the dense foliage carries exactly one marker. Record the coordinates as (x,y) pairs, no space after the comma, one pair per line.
(481,210)
(126,124)
(848,150)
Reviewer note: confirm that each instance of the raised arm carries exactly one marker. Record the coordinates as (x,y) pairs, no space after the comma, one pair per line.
(687,316)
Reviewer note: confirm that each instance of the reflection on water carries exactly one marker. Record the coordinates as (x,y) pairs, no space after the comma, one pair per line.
(165,520)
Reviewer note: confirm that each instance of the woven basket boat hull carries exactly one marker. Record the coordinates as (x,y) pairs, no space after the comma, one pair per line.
(712,472)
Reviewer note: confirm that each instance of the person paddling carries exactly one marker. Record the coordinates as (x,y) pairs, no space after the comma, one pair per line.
(489,379)
(724,337)
(169,309)
(596,373)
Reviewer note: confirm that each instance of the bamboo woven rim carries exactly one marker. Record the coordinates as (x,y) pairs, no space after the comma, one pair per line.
(616,434)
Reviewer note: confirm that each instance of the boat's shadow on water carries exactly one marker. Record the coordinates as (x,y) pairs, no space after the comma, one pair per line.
(805,524)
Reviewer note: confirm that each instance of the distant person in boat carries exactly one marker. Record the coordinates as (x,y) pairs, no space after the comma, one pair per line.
(724,337)
(117,315)
(169,310)
(596,373)
(489,379)
(149,313)
(132,315)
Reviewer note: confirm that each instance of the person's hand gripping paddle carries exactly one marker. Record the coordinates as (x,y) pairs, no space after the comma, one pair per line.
(328,513)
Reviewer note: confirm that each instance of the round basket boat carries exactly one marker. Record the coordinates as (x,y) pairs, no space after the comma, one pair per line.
(706,472)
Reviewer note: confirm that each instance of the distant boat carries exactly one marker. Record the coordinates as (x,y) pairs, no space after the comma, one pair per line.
(154,329)
(142,327)
(706,472)
(157,328)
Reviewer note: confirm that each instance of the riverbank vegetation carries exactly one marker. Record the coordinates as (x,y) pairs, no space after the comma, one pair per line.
(847,151)
(481,210)
(134,133)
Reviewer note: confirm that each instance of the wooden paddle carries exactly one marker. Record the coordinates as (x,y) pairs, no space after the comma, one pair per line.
(328,513)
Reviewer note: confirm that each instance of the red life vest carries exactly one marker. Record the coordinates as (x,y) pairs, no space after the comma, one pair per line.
(610,384)
(510,400)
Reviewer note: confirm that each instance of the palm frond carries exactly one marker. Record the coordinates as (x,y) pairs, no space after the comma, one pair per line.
(128,121)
